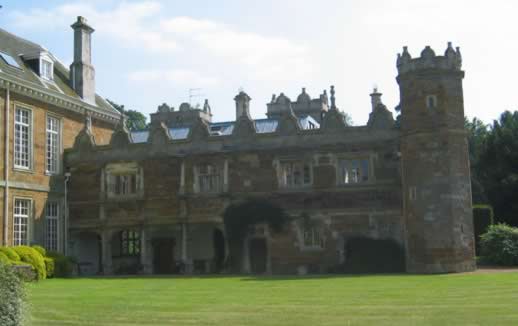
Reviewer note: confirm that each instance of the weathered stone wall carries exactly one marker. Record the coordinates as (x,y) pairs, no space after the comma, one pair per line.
(435,164)
(371,209)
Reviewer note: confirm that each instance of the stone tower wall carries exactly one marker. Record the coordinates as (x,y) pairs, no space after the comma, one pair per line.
(435,164)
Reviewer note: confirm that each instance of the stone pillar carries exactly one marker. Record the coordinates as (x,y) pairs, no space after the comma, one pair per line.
(246,256)
(145,260)
(106,245)
(182,178)
(225,176)
(185,256)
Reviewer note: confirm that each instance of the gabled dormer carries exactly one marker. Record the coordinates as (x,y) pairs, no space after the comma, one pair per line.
(42,63)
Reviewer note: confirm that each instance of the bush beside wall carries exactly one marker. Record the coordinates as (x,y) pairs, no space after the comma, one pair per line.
(63,265)
(34,258)
(10,253)
(499,245)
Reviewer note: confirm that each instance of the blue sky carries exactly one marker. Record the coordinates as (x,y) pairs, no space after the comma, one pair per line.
(149,52)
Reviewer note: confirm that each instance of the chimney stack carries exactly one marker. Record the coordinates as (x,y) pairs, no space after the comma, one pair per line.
(82,73)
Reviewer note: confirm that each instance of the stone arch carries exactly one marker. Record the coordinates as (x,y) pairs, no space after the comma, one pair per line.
(87,250)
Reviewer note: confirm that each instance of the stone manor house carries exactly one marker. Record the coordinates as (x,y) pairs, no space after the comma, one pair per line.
(76,180)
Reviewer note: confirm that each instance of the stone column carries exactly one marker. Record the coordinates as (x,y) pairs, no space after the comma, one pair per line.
(225,176)
(246,256)
(182,178)
(185,257)
(106,237)
(144,252)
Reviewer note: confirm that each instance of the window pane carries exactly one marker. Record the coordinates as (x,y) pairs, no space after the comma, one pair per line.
(21,218)
(22,146)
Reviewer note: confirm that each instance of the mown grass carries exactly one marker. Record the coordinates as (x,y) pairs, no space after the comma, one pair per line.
(462,299)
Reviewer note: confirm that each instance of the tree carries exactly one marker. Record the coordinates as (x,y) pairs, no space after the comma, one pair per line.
(135,120)
(477,134)
(497,167)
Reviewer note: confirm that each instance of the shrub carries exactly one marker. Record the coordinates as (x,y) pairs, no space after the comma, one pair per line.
(499,245)
(4,259)
(34,258)
(63,265)
(10,253)
(40,249)
(49,266)
(11,297)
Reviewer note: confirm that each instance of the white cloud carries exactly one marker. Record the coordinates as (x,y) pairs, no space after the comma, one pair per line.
(275,56)
(128,23)
(177,77)
(142,25)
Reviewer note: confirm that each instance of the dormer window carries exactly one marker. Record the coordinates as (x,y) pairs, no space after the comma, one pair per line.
(46,69)
(41,63)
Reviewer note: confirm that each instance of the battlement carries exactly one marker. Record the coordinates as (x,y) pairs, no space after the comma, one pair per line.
(451,60)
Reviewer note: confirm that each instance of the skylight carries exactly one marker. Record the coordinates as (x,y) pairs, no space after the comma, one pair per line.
(9,60)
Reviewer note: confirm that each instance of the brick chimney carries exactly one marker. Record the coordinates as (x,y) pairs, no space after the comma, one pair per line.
(82,73)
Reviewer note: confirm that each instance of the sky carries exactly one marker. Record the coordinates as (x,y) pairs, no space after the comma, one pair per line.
(146,53)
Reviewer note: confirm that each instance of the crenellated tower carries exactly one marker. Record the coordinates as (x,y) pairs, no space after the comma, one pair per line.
(435,163)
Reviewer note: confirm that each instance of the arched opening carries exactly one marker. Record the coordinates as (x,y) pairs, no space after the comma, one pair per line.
(87,250)
(366,255)
(248,225)
(219,250)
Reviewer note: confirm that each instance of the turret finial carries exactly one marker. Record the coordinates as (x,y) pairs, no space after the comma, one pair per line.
(333,99)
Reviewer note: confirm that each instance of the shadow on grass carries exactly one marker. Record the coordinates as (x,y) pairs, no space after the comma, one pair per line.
(242,277)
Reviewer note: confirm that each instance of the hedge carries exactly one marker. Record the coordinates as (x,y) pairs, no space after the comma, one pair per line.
(4,259)
(40,249)
(11,297)
(49,266)
(10,253)
(63,265)
(34,258)
(499,245)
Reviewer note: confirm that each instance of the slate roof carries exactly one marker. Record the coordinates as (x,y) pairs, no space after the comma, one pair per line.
(15,47)
(263,126)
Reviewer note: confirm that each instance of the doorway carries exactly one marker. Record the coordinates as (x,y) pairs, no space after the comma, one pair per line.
(219,250)
(258,255)
(163,256)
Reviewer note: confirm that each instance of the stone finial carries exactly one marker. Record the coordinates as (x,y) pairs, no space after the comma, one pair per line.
(206,107)
(273,98)
(375,98)
(242,105)
(303,97)
(450,52)
(459,58)
(325,98)
(427,53)
(164,108)
(333,99)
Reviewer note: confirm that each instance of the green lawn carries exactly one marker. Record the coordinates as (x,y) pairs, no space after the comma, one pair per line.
(468,299)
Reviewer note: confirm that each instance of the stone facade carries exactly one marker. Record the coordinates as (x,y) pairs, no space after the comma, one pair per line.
(153,201)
